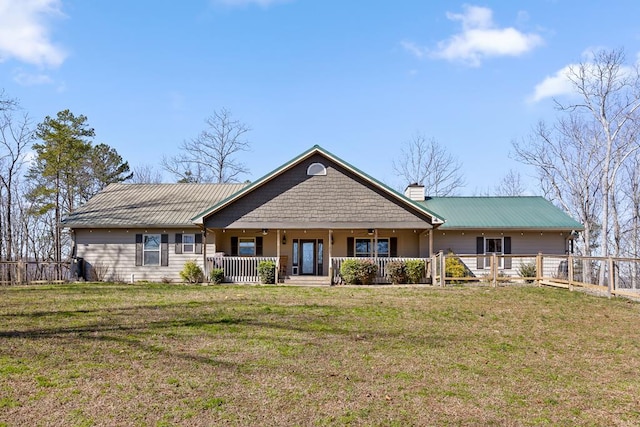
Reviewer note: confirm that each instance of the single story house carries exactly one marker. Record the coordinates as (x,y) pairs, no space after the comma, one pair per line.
(307,215)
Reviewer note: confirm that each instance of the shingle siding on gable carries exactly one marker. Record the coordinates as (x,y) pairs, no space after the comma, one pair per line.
(339,199)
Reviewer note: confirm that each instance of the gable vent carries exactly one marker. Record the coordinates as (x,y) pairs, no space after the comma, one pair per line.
(316,169)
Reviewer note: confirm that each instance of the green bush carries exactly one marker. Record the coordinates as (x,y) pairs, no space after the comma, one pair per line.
(527,270)
(267,272)
(192,273)
(453,267)
(216,276)
(396,272)
(358,272)
(415,270)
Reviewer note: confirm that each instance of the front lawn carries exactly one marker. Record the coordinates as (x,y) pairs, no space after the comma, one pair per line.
(161,355)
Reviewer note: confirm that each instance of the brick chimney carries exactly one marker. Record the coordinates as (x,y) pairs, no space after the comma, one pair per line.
(415,192)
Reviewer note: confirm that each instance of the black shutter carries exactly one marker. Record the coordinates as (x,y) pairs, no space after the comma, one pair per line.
(350,246)
(138,249)
(234,246)
(507,251)
(480,250)
(164,250)
(178,243)
(393,247)
(198,243)
(258,246)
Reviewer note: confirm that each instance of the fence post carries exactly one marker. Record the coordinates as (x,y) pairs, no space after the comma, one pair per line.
(570,271)
(494,270)
(611,289)
(539,269)
(443,269)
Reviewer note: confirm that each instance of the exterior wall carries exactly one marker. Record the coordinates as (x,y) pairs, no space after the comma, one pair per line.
(114,251)
(522,242)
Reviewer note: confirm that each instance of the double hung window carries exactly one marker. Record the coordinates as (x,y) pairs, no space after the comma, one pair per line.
(151,249)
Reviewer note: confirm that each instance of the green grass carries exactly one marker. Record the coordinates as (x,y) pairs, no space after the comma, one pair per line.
(104,354)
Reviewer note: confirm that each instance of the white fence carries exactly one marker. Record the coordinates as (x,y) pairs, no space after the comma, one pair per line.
(238,269)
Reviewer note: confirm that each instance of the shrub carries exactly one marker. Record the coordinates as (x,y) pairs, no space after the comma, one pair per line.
(415,270)
(267,272)
(453,267)
(216,276)
(396,272)
(527,270)
(191,272)
(358,272)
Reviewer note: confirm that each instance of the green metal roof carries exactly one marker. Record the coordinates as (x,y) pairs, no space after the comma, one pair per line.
(521,213)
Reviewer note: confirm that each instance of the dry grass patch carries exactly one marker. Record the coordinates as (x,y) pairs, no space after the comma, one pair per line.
(96,354)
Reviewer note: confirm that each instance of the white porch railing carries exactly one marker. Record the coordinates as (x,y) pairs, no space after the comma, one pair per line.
(381,262)
(239,269)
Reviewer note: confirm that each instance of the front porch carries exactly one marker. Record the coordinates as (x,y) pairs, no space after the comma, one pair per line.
(241,269)
(314,255)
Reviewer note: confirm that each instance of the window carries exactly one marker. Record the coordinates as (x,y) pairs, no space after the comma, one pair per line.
(364,247)
(151,249)
(246,246)
(316,169)
(493,246)
(188,243)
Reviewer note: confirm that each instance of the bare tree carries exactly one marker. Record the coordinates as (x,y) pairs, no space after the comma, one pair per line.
(579,159)
(16,133)
(145,174)
(210,157)
(511,185)
(424,161)
(567,164)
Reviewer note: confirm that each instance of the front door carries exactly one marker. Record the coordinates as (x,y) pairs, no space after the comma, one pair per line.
(308,257)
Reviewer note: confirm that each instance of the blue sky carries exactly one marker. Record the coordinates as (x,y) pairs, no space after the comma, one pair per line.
(359,78)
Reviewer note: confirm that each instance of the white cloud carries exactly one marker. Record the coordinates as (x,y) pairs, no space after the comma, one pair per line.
(414,49)
(24,32)
(555,85)
(479,39)
(560,83)
(28,79)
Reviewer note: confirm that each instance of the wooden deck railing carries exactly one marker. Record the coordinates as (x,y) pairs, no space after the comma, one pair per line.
(238,269)
(605,275)
(27,272)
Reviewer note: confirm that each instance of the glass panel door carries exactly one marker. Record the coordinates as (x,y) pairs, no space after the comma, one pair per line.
(308,257)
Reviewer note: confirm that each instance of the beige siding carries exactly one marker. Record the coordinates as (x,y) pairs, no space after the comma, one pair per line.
(522,242)
(114,251)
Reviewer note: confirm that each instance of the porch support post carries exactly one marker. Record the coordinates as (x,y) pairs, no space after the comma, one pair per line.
(431,242)
(375,244)
(204,253)
(277,255)
(330,257)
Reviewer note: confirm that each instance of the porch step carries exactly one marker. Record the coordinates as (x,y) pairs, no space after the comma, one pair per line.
(307,280)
